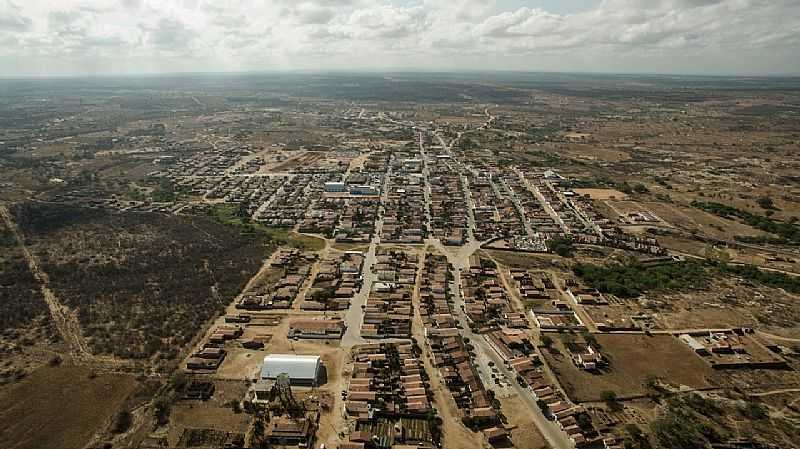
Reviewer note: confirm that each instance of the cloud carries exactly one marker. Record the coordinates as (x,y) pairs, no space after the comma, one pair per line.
(613,35)
(169,34)
(11,18)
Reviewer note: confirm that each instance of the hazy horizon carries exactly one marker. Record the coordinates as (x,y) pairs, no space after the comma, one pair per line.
(144,37)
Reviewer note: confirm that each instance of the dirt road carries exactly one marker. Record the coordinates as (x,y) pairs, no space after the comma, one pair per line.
(65,319)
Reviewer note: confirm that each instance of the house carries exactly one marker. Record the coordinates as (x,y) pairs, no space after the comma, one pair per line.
(286,431)
(308,328)
(587,357)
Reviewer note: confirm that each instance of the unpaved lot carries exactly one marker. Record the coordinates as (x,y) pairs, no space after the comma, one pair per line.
(633,359)
(60,407)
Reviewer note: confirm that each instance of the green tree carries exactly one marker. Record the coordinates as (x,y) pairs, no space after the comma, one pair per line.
(766,202)
(611,400)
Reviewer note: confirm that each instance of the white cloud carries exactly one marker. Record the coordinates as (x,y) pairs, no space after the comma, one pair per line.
(740,36)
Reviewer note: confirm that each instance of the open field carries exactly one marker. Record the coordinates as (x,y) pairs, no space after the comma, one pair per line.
(215,414)
(602,194)
(60,407)
(633,360)
(695,220)
(524,434)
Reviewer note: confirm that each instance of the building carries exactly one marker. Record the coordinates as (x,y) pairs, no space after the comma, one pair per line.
(335,187)
(285,431)
(308,328)
(303,370)
(696,346)
(364,190)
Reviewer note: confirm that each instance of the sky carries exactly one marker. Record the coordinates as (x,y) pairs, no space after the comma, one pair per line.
(98,37)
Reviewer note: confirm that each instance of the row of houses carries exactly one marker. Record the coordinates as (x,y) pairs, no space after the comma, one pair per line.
(404,219)
(496,215)
(212,354)
(534,210)
(450,353)
(533,286)
(389,399)
(287,207)
(357,221)
(519,353)
(388,312)
(448,201)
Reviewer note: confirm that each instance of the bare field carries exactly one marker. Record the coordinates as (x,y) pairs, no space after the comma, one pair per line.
(633,359)
(696,220)
(524,433)
(602,194)
(214,414)
(60,407)
(522,260)
(593,152)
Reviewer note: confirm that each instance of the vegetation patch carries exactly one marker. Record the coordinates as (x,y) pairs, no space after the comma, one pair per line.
(630,279)
(688,423)
(21,300)
(769,278)
(143,284)
(234,216)
(788,232)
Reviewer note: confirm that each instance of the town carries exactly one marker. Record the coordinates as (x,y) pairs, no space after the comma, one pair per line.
(418,276)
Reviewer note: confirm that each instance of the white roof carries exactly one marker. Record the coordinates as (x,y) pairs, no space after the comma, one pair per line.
(295,366)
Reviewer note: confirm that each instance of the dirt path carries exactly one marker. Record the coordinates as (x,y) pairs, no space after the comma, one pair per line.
(770,393)
(778,337)
(66,319)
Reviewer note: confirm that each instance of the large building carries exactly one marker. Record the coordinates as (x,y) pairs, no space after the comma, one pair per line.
(335,187)
(302,370)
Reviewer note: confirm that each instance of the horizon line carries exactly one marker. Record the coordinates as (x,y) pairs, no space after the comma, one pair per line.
(390,71)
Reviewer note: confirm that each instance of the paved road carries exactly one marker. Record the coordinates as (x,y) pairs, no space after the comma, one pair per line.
(355,313)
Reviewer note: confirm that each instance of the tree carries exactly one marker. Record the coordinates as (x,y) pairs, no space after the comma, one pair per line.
(562,246)
(636,438)
(178,381)
(766,202)
(610,398)
(652,383)
(122,422)
(161,410)
(543,406)
(590,339)
(547,341)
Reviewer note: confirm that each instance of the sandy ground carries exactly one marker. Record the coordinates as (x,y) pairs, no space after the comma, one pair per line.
(524,433)
(198,415)
(633,358)
(697,220)
(602,194)
(60,407)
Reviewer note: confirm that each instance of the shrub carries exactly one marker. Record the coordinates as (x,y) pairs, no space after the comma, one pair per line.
(122,422)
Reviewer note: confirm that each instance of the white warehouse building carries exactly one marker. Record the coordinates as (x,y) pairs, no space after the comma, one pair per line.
(302,370)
